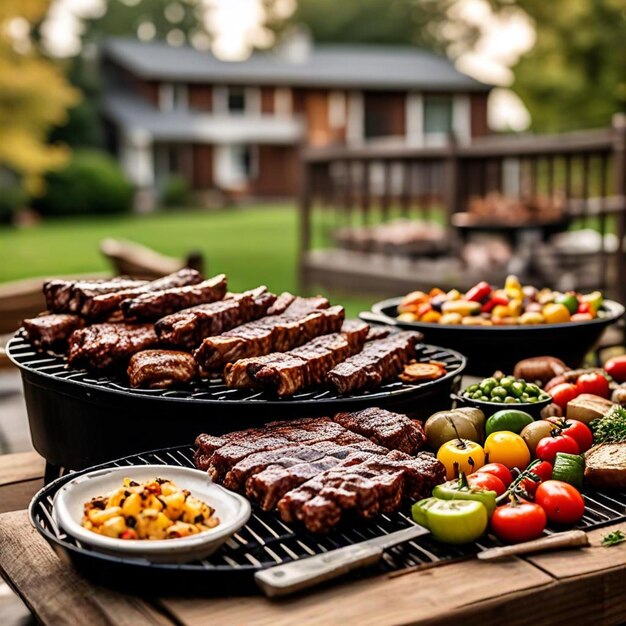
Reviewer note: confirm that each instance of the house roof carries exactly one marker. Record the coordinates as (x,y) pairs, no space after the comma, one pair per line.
(334,66)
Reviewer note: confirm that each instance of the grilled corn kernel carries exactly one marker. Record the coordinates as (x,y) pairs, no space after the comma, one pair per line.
(114,527)
(174,504)
(132,505)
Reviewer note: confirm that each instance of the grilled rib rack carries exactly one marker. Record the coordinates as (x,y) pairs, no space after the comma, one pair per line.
(266,541)
(78,419)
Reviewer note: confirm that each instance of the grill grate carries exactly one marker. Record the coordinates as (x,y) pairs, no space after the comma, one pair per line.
(48,363)
(266,540)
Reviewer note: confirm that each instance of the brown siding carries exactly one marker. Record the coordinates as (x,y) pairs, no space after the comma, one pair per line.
(478,104)
(267,100)
(201,97)
(316,107)
(278,172)
(202,166)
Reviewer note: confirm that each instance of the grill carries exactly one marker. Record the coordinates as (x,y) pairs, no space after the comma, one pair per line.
(266,541)
(78,419)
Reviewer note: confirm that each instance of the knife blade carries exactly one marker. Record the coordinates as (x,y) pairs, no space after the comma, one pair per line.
(304,573)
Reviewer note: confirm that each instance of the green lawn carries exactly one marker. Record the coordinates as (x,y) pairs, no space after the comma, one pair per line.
(252,245)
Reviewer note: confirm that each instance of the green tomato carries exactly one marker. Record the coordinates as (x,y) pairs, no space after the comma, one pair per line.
(570,301)
(508,419)
(454,521)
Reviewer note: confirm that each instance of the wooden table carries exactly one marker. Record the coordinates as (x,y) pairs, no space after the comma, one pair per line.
(571,587)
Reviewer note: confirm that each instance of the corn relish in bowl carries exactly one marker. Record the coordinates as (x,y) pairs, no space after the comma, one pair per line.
(153,509)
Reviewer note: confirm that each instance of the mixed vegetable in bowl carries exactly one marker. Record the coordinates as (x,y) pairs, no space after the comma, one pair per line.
(511,305)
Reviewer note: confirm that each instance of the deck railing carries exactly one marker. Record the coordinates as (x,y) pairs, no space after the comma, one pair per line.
(366,184)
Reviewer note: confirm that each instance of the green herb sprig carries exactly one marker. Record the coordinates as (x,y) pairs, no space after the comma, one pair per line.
(611,428)
(612,539)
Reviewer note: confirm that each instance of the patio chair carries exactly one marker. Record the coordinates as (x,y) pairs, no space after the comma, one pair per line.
(133,259)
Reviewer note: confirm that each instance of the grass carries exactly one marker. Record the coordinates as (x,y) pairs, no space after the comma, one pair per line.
(253,245)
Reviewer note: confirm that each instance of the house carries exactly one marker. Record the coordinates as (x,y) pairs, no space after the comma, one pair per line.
(237,126)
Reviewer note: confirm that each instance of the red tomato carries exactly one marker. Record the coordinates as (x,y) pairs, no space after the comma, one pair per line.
(499,470)
(563,393)
(593,383)
(549,446)
(543,471)
(579,432)
(486,481)
(516,522)
(616,368)
(562,503)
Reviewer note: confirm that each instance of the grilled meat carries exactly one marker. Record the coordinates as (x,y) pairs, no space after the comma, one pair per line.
(105,305)
(391,430)
(284,300)
(103,346)
(375,486)
(64,296)
(302,321)
(161,369)
(300,368)
(187,328)
(151,306)
(380,361)
(51,331)
(377,332)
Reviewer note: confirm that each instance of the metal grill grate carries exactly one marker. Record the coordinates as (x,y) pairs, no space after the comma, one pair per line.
(266,540)
(26,356)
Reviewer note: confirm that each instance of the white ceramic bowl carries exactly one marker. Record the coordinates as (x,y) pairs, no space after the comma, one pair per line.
(232,510)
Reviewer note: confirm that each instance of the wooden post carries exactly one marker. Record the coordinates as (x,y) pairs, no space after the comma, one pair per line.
(451,182)
(306,202)
(619,152)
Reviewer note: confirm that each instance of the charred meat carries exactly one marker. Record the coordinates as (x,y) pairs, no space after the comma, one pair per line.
(161,369)
(103,346)
(51,331)
(187,328)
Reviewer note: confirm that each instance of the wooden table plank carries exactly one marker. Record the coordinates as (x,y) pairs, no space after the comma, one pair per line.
(21,476)
(54,592)
(417,598)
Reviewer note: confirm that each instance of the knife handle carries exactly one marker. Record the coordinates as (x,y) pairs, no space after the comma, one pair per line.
(298,575)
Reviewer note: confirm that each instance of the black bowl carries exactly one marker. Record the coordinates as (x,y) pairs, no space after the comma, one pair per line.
(491,348)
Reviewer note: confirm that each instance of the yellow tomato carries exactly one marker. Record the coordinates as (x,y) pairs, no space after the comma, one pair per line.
(461,455)
(555,313)
(507,448)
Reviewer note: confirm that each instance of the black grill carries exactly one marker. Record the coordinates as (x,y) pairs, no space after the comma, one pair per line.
(55,365)
(266,541)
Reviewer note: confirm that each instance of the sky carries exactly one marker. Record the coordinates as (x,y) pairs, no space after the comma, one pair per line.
(237,25)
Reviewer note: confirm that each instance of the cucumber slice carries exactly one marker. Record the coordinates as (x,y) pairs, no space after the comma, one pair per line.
(569,468)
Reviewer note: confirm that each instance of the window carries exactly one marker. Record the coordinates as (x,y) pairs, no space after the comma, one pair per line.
(437,115)
(236,100)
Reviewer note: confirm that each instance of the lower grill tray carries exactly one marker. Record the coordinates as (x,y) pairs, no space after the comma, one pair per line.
(265,541)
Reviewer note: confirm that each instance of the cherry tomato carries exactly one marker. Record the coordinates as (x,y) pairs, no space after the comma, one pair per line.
(543,471)
(563,393)
(549,446)
(593,383)
(579,432)
(486,481)
(616,368)
(562,503)
(499,470)
(518,521)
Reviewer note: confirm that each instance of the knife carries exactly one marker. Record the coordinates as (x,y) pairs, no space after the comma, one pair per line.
(304,573)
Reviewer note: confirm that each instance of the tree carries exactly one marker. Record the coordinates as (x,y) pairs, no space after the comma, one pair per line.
(34,96)
(575,75)
(425,23)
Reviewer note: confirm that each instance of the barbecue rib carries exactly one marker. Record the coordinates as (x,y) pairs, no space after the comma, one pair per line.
(66,295)
(375,486)
(380,361)
(106,304)
(391,430)
(161,369)
(150,306)
(51,331)
(187,328)
(302,320)
(102,346)
(302,367)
